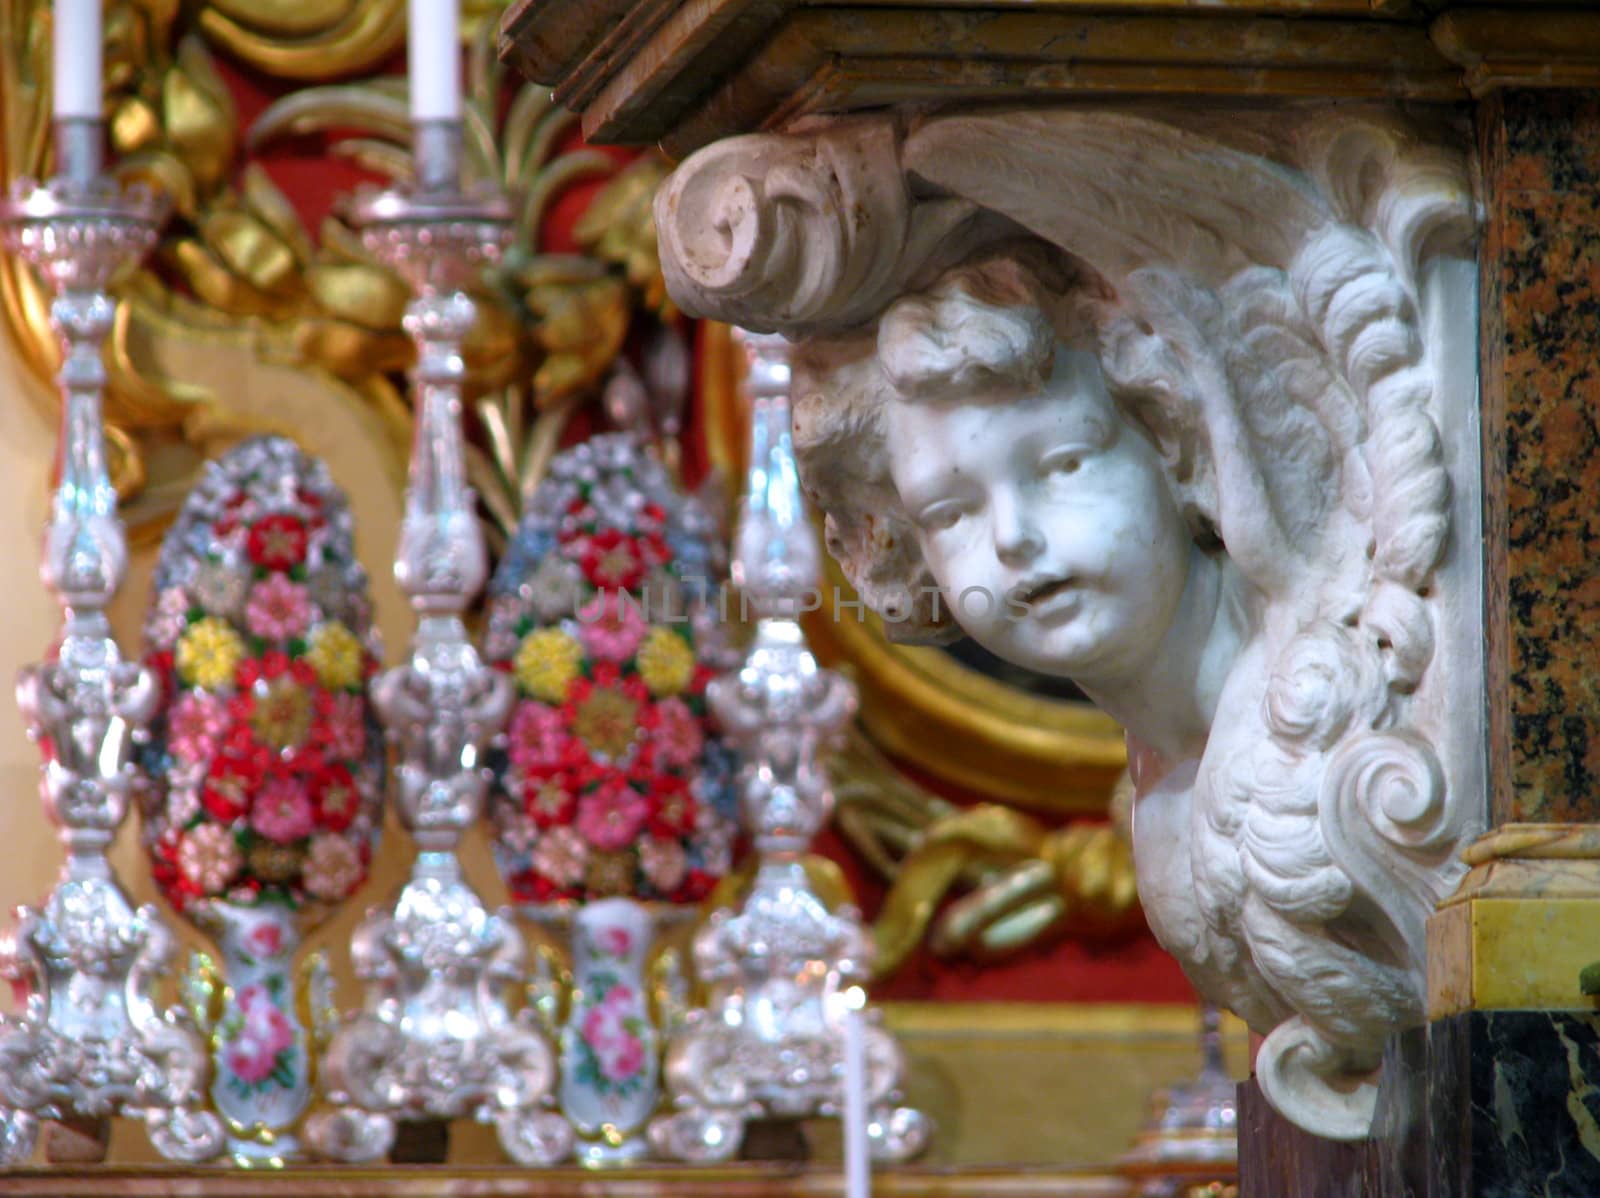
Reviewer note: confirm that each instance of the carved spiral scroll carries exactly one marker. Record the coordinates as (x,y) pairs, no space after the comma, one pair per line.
(769,231)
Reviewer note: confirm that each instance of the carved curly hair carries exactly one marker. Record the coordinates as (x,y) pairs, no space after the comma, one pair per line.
(987,327)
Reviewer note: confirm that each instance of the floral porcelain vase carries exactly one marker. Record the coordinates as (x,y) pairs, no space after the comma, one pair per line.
(612,784)
(263,774)
(610,1048)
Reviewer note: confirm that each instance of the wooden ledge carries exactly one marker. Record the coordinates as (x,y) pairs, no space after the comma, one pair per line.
(686,73)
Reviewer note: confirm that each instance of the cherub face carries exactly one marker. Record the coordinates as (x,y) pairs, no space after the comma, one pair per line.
(1047,522)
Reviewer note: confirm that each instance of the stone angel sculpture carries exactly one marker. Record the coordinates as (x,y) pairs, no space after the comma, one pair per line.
(1181,410)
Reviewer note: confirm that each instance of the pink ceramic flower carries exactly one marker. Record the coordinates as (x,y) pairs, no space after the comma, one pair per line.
(279,609)
(168,619)
(562,856)
(611,626)
(678,735)
(664,863)
(611,817)
(196,726)
(282,810)
(344,728)
(518,832)
(208,857)
(184,780)
(333,868)
(618,943)
(537,738)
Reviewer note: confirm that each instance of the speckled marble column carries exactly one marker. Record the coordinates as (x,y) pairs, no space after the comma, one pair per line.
(1541,422)
(1496,1097)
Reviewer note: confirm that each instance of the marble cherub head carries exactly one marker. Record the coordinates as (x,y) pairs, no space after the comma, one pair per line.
(1003,461)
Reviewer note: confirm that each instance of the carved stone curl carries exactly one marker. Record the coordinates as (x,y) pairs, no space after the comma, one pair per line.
(1177,411)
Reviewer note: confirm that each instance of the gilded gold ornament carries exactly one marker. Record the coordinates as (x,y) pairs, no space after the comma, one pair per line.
(1024,880)
(619,226)
(197,114)
(327,38)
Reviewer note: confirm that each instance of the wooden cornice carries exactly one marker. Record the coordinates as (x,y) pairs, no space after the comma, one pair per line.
(685,72)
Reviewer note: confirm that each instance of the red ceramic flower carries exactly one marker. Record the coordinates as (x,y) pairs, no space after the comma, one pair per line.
(277,542)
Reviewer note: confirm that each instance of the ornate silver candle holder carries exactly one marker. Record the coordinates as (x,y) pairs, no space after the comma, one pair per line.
(92,1041)
(771,1041)
(1190,1142)
(437,1039)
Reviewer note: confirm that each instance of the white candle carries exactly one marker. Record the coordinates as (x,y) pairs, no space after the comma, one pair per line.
(857,1166)
(77,59)
(434,59)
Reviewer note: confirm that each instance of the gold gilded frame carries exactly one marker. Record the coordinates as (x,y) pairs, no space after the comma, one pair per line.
(919,704)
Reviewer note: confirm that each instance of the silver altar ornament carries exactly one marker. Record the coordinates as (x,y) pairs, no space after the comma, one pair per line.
(437,1039)
(91,1040)
(771,1040)
(1190,1143)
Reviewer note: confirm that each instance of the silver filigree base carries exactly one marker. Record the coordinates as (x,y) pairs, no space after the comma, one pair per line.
(437,1040)
(771,1044)
(91,1042)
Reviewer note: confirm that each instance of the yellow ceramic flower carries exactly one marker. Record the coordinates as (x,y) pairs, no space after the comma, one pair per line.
(546,663)
(606,721)
(208,653)
(665,662)
(335,654)
(282,715)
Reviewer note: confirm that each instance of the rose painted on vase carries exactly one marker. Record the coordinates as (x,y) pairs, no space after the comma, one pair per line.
(264,940)
(619,943)
(626,1060)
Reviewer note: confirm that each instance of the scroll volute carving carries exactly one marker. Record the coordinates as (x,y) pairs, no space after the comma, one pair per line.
(1172,395)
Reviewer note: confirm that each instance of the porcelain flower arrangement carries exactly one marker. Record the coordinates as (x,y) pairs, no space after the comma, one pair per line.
(612,782)
(268,759)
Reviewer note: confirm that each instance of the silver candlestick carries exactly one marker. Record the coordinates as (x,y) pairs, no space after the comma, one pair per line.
(771,1040)
(437,1039)
(91,1041)
(1190,1142)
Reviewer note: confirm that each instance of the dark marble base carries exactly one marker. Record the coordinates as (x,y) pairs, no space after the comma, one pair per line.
(1490,1104)
(1514,1105)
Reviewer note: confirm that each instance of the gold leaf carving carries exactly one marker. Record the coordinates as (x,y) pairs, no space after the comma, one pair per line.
(197,114)
(330,39)
(1023,880)
(619,227)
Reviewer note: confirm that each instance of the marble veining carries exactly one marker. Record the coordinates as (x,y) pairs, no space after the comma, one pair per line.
(1542,162)
(1513,1105)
